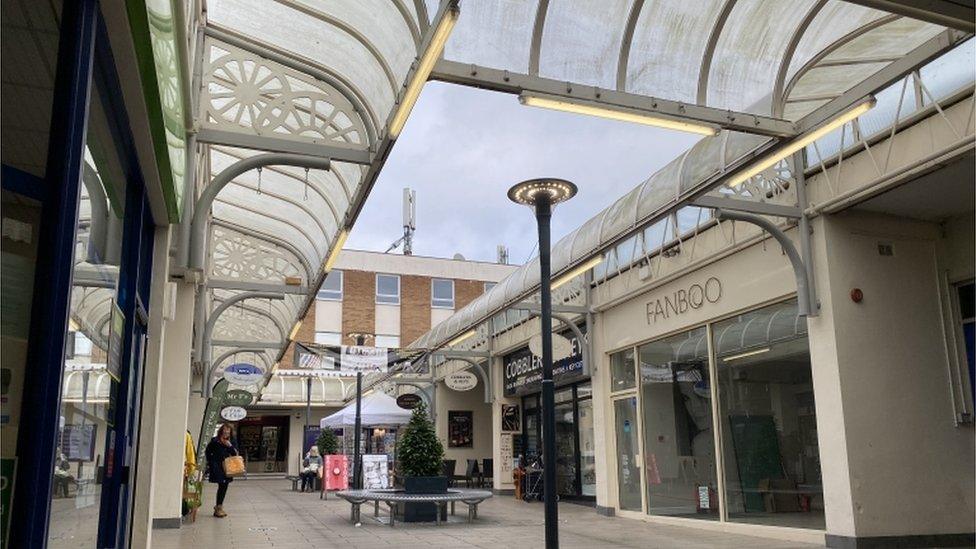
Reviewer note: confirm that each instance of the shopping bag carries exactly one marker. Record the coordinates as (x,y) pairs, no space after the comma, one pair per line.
(233,466)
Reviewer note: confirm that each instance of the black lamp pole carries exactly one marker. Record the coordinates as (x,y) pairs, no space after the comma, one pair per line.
(542,195)
(356,473)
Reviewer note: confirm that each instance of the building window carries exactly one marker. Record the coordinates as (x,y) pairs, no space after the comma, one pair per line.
(441,293)
(388,289)
(489,286)
(388,341)
(331,289)
(623,371)
(328,338)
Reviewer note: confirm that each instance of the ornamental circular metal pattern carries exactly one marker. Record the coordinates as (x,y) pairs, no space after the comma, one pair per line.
(233,413)
(529,192)
(461,381)
(242,373)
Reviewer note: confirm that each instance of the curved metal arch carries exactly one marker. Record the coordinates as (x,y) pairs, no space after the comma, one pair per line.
(99,213)
(834,46)
(625,44)
(198,240)
(344,184)
(208,331)
(351,31)
(254,233)
(536,46)
(316,188)
(411,24)
(305,209)
(304,65)
(484,372)
(706,66)
(422,17)
(278,218)
(282,330)
(784,66)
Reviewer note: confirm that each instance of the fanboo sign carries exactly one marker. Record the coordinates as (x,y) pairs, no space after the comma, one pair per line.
(683,300)
(523,370)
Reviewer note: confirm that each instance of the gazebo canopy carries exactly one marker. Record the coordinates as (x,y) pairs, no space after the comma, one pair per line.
(377,409)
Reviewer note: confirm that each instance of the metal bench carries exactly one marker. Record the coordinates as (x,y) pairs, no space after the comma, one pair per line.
(392,498)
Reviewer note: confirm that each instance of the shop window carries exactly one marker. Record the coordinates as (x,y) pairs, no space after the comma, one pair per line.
(967,316)
(628,454)
(388,341)
(623,373)
(331,289)
(679,441)
(771,456)
(388,289)
(328,338)
(441,293)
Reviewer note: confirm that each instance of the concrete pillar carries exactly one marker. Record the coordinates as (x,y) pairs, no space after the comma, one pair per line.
(894,463)
(602,420)
(171,417)
(152,373)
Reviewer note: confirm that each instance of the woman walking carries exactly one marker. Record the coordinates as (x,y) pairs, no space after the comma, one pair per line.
(220,448)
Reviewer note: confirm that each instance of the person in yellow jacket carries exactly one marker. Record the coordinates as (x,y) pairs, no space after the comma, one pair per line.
(189,456)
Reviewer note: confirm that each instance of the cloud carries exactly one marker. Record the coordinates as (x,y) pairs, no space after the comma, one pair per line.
(463,148)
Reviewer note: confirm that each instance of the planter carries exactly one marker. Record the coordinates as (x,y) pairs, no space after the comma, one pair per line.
(423,512)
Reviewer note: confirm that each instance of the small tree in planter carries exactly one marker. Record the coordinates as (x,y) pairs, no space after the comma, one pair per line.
(328,443)
(421,456)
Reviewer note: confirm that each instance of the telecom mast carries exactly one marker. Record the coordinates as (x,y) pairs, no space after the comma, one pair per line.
(409,222)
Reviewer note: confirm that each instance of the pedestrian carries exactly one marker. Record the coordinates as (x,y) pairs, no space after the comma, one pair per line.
(220,448)
(311,466)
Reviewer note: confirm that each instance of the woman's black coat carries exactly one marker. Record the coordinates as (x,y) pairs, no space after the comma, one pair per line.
(216,453)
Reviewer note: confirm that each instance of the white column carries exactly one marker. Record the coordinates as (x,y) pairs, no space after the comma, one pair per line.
(602,419)
(152,371)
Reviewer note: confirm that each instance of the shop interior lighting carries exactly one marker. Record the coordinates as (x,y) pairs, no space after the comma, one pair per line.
(802,141)
(614,113)
(466,335)
(294,330)
(424,68)
(745,354)
(89,401)
(334,254)
(577,271)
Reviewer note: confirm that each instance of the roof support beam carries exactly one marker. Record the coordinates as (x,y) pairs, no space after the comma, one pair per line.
(507,82)
(557,308)
(245,345)
(735,204)
(949,13)
(281,145)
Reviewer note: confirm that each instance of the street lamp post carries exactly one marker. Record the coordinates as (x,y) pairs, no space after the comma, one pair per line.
(541,195)
(356,473)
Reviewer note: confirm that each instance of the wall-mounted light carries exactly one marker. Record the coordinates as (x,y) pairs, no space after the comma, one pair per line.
(802,141)
(424,68)
(622,114)
(340,241)
(745,354)
(294,330)
(586,266)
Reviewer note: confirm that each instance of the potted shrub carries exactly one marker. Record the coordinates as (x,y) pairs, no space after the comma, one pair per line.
(327,442)
(421,456)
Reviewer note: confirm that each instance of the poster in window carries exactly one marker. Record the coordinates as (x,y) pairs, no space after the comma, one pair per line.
(511,418)
(78,442)
(459,429)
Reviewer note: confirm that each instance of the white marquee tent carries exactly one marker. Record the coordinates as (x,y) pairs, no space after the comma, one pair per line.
(377,409)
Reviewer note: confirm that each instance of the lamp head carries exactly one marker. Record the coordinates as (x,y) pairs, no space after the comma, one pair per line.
(531,192)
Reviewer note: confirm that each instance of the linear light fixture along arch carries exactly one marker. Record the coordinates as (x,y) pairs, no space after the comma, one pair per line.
(592,262)
(614,113)
(424,68)
(801,142)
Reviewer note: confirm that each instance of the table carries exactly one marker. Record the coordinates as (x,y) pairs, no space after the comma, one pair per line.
(471,498)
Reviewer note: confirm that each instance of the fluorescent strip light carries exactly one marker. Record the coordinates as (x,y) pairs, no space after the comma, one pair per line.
(294,330)
(340,241)
(745,354)
(614,113)
(466,335)
(89,401)
(801,142)
(73,325)
(420,76)
(302,403)
(577,271)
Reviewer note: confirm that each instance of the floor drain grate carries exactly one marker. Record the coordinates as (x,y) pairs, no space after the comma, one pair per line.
(263,529)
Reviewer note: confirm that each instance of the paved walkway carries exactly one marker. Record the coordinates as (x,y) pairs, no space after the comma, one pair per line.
(266,513)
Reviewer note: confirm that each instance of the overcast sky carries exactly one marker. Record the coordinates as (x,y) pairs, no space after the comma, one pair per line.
(463,148)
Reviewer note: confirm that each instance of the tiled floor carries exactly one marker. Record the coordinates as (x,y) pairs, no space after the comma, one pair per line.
(266,513)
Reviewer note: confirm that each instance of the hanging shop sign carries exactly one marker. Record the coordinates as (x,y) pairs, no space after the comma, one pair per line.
(561,347)
(233,413)
(356,358)
(523,369)
(408,401)
(113,364)
(682,300)
(461,381)
(242,373)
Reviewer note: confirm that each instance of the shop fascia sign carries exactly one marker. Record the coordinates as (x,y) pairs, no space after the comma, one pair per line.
(683,300)
(523,369)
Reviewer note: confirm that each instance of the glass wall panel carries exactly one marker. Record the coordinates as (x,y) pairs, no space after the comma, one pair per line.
(628,453)
(769,431)
(677,422)
(622,371)
(587,446)
(565,448)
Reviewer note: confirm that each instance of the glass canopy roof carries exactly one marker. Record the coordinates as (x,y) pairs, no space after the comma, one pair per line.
(323,79)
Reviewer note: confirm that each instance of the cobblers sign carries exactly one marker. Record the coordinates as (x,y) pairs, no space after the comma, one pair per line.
(523,370)
(684,299)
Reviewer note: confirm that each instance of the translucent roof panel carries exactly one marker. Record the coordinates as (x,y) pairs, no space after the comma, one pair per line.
(581,41)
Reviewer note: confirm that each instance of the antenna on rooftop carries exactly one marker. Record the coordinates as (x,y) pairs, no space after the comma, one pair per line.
(409,222)
(502,254)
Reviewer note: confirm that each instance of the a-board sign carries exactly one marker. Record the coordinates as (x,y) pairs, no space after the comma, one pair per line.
(408,401)
(461,381)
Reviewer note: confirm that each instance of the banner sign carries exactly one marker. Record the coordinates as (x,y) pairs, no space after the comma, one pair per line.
(336,472)
(523,370)
(243,374)
(222,398)
(312,433)
(113,364)
(363,359)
